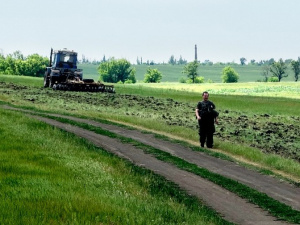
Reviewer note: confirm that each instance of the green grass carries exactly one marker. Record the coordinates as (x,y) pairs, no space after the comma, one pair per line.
(70,102)
(22,80)
(48,176)
(44,151)
(227,101)
(89,71)
(276,208)
(172,73)
(274,162)
(241,151)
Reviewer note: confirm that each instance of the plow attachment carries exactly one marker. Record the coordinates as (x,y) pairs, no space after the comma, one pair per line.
(84,86)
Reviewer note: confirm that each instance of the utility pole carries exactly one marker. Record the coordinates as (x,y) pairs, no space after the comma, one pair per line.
(196,59)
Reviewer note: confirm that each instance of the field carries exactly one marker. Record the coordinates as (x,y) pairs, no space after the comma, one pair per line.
(172,73)
(259,125)
(268,124)
(48,176)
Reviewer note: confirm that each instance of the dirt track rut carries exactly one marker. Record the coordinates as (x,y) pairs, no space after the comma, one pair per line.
(229,205)
(280,191)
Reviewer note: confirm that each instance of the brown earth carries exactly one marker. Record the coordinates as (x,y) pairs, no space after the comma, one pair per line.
(229,205)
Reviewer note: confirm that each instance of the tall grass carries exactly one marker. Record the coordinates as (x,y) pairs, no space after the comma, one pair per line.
(52,177)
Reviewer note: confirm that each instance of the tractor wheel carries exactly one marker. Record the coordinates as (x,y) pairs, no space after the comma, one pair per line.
(46,81)
(51,82)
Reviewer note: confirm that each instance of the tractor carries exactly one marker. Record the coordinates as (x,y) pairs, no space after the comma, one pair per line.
(63,74)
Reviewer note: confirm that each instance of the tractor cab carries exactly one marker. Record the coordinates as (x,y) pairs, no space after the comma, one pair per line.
(65,59)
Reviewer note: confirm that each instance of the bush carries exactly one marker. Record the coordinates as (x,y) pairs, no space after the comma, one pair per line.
(273,79)
(131,78)
(229,75)
(17,64)
(115,70)
(189,81)
(128,82)
(152,76)
(199,80)
(191,70)
(182,80)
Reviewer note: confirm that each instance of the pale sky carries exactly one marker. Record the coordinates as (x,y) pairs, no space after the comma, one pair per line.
(224,30)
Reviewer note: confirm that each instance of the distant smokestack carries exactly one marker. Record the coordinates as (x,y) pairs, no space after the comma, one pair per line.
(196,58)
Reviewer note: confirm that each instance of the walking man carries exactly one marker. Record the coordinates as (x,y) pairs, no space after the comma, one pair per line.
(206,116)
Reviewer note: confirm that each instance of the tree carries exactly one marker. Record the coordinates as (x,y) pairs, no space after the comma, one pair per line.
(279,69)
(17,64)
(35,65)
(103,59)
(2,64)
(266,72)
(191,70)
(138,61)
(229,75)
(17,55)
(115,70)
(243,61)
(288,61)
(152,76)
(131,78)
(296,68)
(207,62)
(172,60)
(83,59)
(181,61)
(270,61)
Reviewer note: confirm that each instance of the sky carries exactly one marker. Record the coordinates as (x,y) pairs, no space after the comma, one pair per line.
(223,30)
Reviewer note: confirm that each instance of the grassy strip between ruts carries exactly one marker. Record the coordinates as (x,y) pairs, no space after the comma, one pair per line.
(267,164)
(228,158)
(275,207)
(48,176)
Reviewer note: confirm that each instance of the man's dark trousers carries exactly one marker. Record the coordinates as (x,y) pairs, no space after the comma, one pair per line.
(206,132)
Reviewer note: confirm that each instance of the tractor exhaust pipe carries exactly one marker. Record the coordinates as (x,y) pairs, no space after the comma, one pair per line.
(51,52)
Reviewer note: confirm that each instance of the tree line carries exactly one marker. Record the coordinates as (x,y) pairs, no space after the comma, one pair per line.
(17,64)
(273,71)
(121,70)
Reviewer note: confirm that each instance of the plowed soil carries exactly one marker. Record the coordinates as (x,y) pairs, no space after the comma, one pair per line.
(269,133)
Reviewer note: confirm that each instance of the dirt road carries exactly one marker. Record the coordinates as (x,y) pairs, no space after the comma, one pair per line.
(229,205)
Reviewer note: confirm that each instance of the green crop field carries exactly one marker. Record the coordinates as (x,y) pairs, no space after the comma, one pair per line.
(172,73)
(269,89)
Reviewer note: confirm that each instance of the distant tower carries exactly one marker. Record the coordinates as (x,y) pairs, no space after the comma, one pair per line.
(196,58)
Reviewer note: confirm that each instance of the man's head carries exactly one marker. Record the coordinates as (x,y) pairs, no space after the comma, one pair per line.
(205,96)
